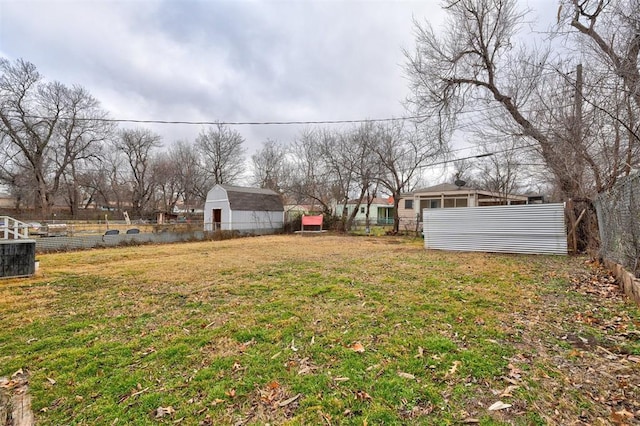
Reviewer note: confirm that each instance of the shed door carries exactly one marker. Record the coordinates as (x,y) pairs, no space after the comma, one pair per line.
(217,219)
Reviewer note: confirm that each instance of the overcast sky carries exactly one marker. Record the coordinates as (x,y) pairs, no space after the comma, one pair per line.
(227,60)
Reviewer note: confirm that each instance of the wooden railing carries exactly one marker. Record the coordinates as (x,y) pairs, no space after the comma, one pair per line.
(13,229)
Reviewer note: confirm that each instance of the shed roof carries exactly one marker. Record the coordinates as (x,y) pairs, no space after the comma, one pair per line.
(253,199)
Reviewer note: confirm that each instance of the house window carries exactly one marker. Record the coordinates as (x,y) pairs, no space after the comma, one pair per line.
(362,210)
(461,202)
(434,204)
(449,202)
(408,204)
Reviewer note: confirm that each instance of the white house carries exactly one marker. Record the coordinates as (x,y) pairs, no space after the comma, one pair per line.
(380,210)
(243,209)
(446,196)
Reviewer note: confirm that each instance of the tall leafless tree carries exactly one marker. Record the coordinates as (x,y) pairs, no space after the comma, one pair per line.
(138,147)
(477,62)
(311,180)
(271,168)
(401,152)
(222,154)
(45,128)
(192,182)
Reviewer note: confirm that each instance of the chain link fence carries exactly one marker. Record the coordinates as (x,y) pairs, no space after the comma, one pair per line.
(619,223)
(159,234)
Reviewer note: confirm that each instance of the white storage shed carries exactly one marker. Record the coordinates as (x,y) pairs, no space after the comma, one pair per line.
(235,208)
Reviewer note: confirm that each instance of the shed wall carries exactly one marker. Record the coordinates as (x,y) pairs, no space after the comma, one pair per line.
(532,228)
(254,220)
(217,199)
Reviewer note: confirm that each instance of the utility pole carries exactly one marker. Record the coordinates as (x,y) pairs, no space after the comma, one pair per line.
(577,115)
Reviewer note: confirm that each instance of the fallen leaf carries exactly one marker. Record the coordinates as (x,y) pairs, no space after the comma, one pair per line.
(217,401)
(273,385)
(420,352)
(470,420)
(363,396)
(453,368)
(498,405)
(50,380)
(293,346)
(507,392)
(406,375)
(164,411)
(634,358)
(289,401)
(357,347)
(230,393)
(621,417)
(341,379)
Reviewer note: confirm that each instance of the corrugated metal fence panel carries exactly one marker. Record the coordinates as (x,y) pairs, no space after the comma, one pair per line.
(532,228)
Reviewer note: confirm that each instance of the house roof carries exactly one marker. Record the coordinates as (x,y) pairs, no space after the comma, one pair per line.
(444,187)
(253,199)
(451,189)
(376,200)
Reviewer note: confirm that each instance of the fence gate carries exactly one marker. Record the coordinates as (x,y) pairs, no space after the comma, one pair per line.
(530,228)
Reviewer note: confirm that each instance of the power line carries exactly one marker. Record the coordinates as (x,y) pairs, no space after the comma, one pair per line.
(233,123)
(486,154)
(489,108)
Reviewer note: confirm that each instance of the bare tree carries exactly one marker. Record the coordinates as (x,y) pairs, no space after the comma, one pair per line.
(222,154)
(167,181)
(500,173)
(311,180)
(45,128)
(137,146)
(478,62)
(192,182)
(270,166)
(613,27)
(401,152)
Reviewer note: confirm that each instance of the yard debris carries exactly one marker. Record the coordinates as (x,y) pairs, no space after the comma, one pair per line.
(51,381)
(15,401)
(420,353)
(289,401)
(498,405)
(406,375)
(453,368)
(507,393)
(306,366)
(357,347)
(362,395)
(164,411)
(621,417)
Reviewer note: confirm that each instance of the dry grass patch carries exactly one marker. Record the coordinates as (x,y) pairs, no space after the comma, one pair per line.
(333,330)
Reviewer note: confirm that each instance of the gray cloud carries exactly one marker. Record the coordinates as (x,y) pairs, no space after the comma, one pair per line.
(223,60)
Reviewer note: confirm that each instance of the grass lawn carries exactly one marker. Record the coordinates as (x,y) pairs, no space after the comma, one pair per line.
(320,330)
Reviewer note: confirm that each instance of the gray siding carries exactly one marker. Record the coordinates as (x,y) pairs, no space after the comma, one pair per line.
(532,228)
